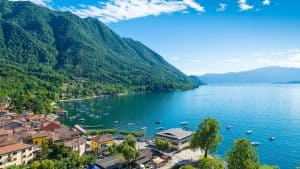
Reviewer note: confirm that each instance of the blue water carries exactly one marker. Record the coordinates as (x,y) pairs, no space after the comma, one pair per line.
(267,109)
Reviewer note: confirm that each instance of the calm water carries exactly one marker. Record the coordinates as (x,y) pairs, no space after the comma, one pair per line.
(268,110)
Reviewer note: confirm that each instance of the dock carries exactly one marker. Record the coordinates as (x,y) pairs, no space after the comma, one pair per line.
(79,128)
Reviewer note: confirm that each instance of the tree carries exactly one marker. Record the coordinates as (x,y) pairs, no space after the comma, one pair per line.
(162,145)
(129,153)
(131,140)
(211,163)
(187,167)
(207,136)
(242,156)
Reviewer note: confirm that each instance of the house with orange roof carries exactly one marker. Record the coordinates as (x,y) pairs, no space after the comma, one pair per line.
(15,154)
(101,142)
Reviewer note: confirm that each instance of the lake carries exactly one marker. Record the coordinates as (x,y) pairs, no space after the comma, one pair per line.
(267,109)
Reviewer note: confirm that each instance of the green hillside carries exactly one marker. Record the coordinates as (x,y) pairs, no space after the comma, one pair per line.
(47,55)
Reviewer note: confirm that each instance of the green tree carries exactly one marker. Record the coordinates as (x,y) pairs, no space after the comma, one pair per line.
(129,153)
(131,140)
(211,163)
(162,145)
(242,156)
(207,136)
(187,167)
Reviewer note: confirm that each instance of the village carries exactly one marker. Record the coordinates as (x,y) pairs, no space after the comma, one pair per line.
(23,137)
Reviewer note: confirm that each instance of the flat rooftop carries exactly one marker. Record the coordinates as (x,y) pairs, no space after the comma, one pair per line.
(176,133)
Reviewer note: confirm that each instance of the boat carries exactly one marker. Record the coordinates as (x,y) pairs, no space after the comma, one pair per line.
(184,123)
(82,119)
(249,131)
(157,122)
(272,138)
(131,124)
(144,128)
(255,143)
(105,114)
(160,128)
(229,127)
(117,122)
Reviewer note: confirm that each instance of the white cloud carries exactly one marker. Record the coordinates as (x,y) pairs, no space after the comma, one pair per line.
(194,5)
(116,10)
(244,6)
(39,2)
(266,2)
(289,58)
(222,7)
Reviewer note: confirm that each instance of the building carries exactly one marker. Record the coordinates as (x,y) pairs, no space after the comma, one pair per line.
(101,142)
(111,162)
(15,154)
(151,157)
(40,139)
(179,138)
(51,126)
(78,144)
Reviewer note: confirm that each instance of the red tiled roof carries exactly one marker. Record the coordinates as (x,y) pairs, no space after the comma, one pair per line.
(13,147)
(51,127)
(103,138)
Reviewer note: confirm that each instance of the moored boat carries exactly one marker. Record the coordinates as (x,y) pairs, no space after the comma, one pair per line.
(272,138)
(184,123)
(144,128)
(255,143)
(249,131)
(157,122)
(131,124)
(229,127)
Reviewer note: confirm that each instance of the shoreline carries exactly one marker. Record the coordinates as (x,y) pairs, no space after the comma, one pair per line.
(91,97)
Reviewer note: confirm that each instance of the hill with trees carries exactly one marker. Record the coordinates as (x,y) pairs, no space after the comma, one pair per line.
(47,55)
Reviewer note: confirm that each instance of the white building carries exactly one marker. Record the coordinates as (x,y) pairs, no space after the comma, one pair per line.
(78,144)
(179,138)
(15,154)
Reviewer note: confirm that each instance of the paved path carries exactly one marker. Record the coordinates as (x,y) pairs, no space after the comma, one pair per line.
(183,155)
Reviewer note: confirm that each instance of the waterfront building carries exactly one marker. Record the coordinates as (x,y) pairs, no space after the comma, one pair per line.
(179,138)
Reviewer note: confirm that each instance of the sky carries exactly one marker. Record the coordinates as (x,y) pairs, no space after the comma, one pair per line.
(203,36)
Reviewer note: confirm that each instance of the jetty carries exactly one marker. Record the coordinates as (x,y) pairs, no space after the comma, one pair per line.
(79,128)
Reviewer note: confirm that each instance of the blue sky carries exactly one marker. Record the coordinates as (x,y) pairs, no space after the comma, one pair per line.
(201,36)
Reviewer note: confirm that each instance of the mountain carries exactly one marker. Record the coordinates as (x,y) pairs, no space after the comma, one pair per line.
(261,75)
(47,55)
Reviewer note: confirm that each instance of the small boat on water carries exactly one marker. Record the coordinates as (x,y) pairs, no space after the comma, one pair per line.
(106,114)
(229,127)
(272,138)
(255,143)
(72,117)
(157,122)
(183,123)
(144,128)
(82,119)
(249,131)
(131,124)
(160,128)
(117,122)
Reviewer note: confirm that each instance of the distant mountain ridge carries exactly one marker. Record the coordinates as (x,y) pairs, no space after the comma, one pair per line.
(261,75)
(49,55)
